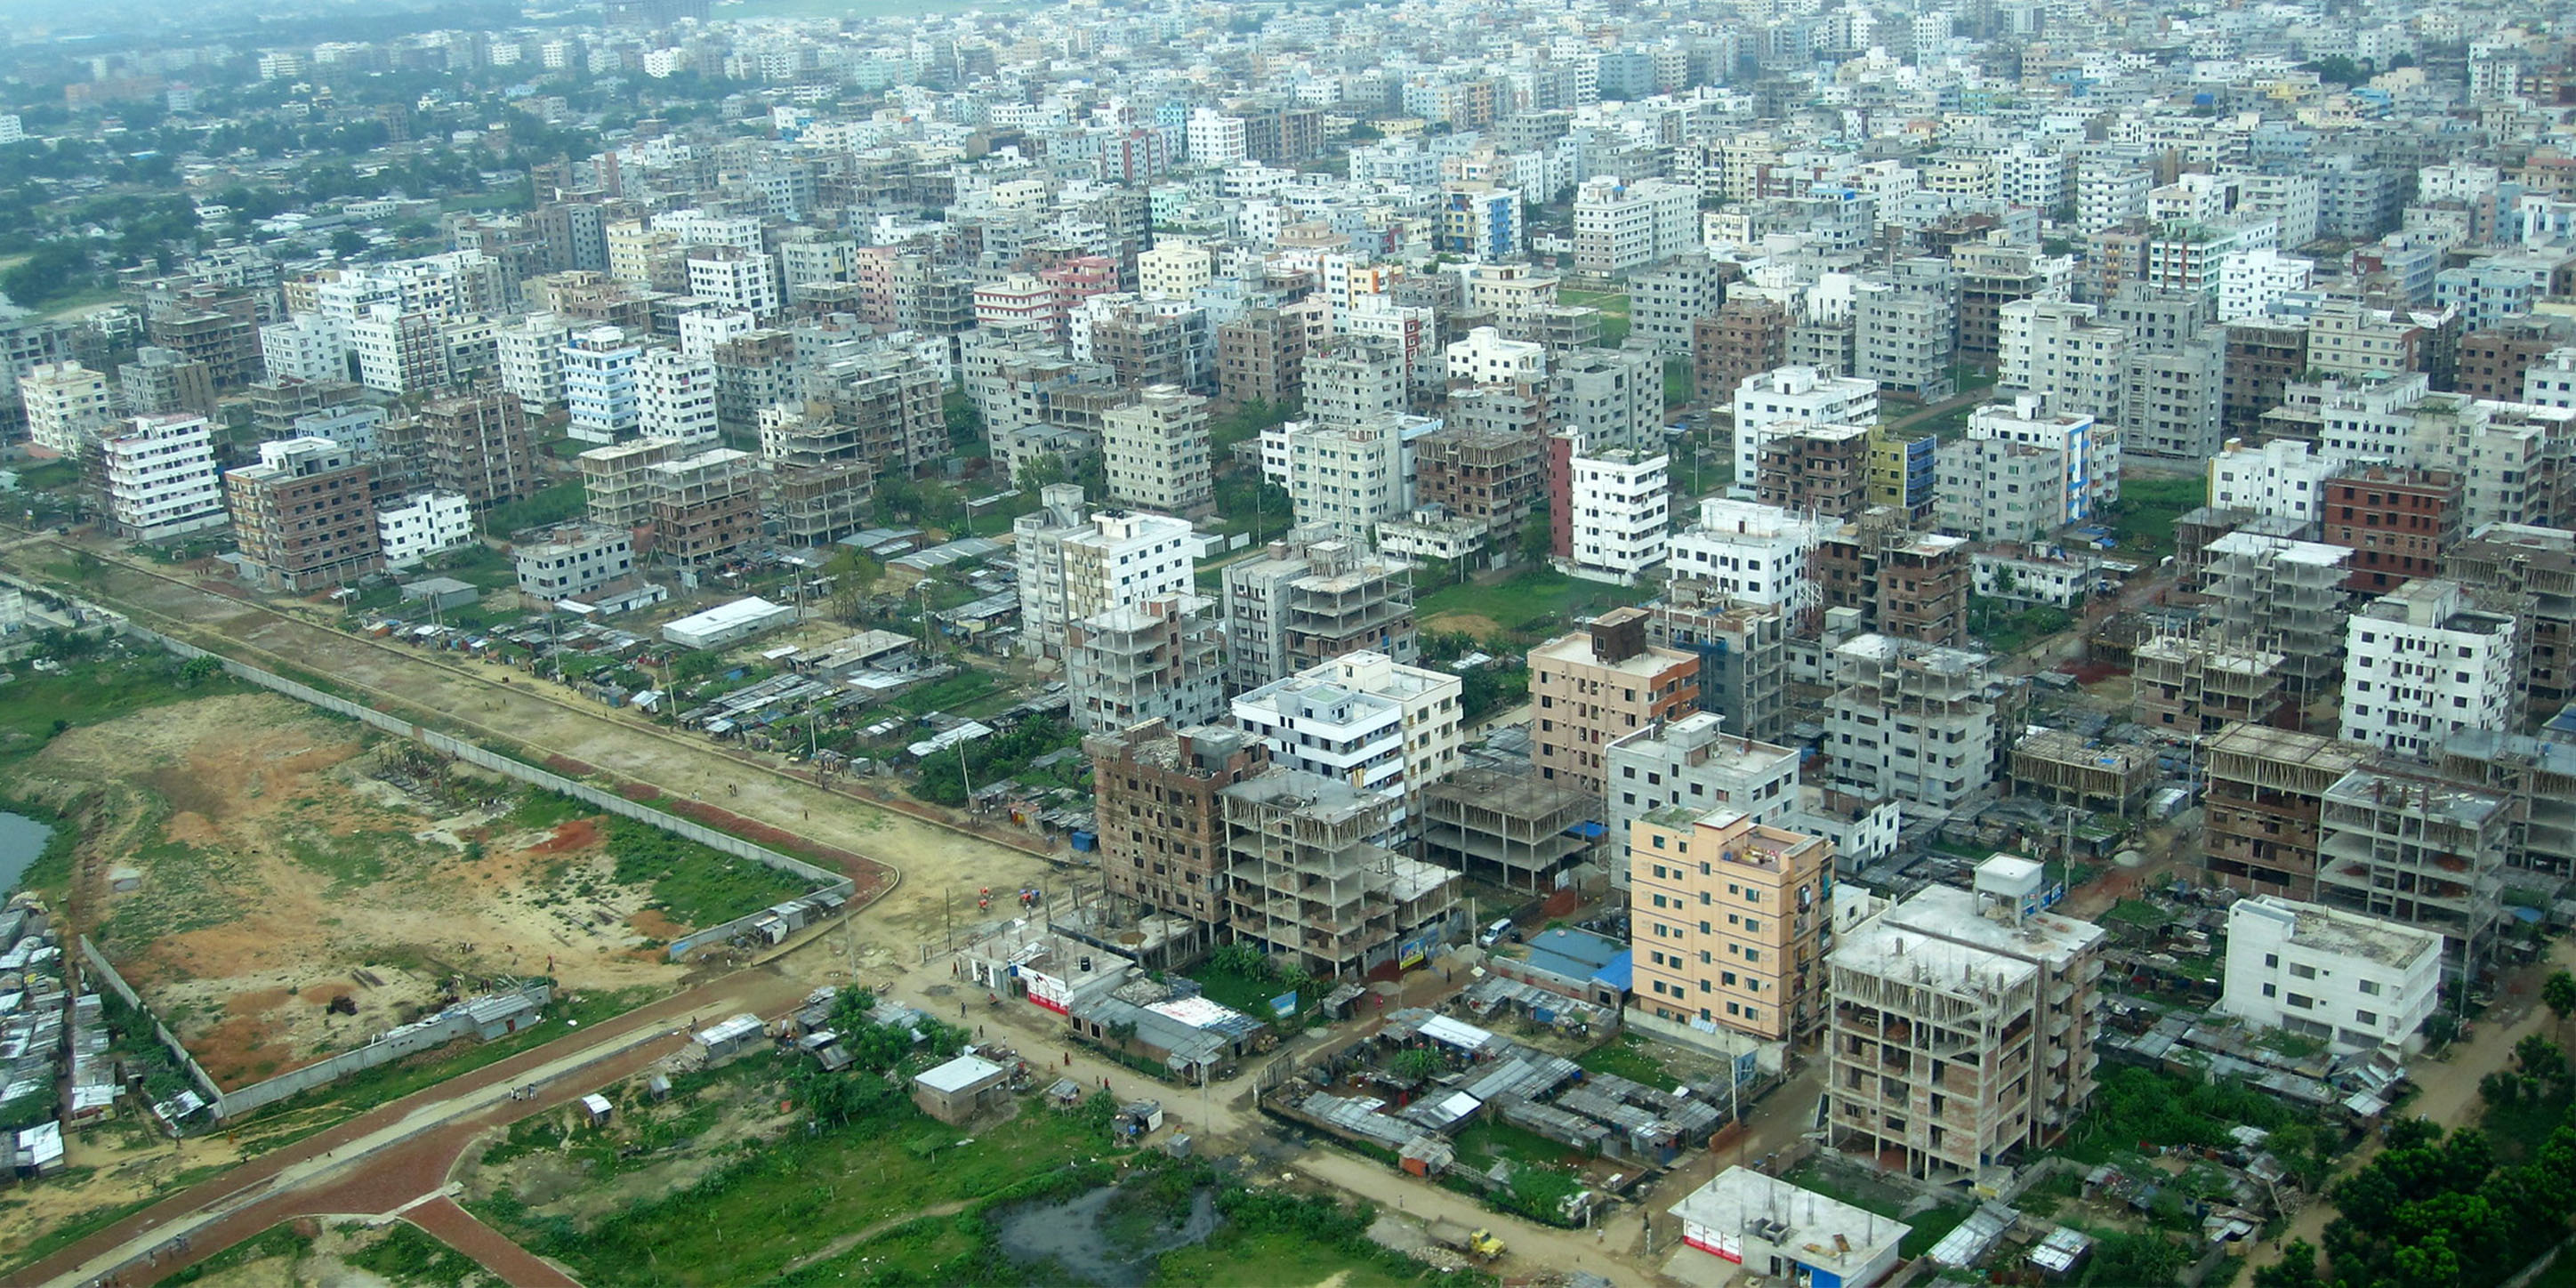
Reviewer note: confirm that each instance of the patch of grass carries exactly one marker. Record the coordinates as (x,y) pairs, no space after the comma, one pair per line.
(350,861)
(1490,1140)
(49,476)
(276,1241)
(337,1102)
(695,885)
(1531,601)
(1929,1228)
(1631,1057)
(543,809)
(99,684)
(2138,912)
(789,1198)
(407,1255)
(1279,1257)
(945,694)
(557,504)
(2142,520)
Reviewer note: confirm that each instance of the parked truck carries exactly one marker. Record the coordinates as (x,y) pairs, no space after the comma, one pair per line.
(1480,1244)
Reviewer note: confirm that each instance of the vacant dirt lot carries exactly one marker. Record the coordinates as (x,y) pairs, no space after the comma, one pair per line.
(941,869)
(271,870)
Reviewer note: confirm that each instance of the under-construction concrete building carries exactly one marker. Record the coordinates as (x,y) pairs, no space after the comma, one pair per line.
(2066,768)
(1305,883)
(1157,659)
(1157,797)
(617,485)
(2264,796)
(2536,569)
(2195,685)
(1743,654)
(1819,470)
(1911,722)
(2286,597)
(706,507)
(819,484)
(1511,827)
(888,406)
(2419,850)
(1310,598)
(1909,584)
(2537,779)
(1961,1026)
(477,444)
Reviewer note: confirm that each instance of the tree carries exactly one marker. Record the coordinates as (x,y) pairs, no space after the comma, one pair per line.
(2335,69)
(1420,1064)
(2539,1058)
(1538,539)
(348,243)
(2558,993)
(1039,472)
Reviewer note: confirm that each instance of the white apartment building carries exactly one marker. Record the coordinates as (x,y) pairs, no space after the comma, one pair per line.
(1484,357)
(2423,664)
(532,360)
(698,228)
(68,406)
(1620,507)
(702,331)
(398,352)
(1177,267)
(744,281)
(2325,973)
(1214,139)
(1911,722)
(1752,553)
(1072,567)
(1694,764)
(421,525)
(1802,394)
(2249,280)
(601,386)
(1364,719)
(1619,226)
(2059,350)
(676,396)
(1155,452)
(10,130)
(2364,418)
(2284,477)
(307,346)
(1348,478)
(572,562)
(2022,474)
(2551,382)
(161,478)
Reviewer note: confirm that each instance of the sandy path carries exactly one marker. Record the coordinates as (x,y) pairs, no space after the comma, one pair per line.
(2450,1095)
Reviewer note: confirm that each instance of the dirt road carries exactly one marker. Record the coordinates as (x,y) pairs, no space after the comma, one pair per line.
(2450,1095)
(384,1159)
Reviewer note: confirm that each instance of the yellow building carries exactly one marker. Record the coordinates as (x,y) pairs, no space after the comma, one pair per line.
(1726,918)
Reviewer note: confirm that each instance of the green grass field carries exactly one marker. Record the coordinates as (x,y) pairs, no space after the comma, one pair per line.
(1613,306)
(1538,601)
(786,1199)
(2143,518)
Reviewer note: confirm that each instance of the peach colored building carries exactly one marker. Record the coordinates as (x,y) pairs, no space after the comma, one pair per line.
(1598,685)
(1726,918)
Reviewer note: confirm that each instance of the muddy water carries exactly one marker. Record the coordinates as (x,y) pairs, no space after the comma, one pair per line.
(21,840)
(1075,1235)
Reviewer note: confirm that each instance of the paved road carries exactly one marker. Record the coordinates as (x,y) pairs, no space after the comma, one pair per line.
(384,1158)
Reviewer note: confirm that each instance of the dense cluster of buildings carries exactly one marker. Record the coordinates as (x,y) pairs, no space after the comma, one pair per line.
(1443,283)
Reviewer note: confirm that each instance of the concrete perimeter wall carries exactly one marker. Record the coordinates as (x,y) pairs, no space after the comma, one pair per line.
(107,974)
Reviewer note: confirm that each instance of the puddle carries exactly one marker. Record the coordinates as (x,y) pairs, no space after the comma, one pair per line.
(1107,1237)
